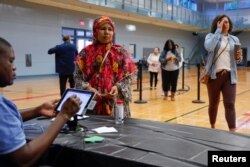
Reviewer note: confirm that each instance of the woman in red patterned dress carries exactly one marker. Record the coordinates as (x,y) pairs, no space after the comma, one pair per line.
(105,68)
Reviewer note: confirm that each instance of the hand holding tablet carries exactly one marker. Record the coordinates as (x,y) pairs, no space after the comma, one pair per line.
(84,96)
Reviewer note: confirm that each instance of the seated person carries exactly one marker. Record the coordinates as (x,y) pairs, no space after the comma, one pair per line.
(14,151)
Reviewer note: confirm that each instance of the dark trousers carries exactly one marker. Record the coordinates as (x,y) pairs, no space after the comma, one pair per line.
(169,80)
(222,84)
(153,77)
(63,81)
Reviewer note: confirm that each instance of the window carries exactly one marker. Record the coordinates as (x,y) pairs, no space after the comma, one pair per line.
(80,37)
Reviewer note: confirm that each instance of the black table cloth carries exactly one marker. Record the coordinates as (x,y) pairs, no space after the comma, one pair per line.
(140,143)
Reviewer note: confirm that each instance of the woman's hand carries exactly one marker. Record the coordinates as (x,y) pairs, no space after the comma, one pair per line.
(171,58)
(113,92)
(94,90)
(48,108)
(220,24)
(238,54)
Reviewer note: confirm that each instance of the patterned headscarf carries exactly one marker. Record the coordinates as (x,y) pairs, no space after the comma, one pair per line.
(97,24)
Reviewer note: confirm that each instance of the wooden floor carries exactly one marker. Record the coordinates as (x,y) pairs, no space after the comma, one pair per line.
(31,91)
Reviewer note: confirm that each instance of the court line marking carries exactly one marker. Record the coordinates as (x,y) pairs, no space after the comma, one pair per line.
(34,97)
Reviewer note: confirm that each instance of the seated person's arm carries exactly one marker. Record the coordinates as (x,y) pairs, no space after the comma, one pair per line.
(30,152)
(45,109)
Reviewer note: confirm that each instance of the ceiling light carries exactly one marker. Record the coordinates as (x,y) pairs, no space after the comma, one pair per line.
(131,27)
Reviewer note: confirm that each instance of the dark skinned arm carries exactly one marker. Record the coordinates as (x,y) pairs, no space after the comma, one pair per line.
(32,151)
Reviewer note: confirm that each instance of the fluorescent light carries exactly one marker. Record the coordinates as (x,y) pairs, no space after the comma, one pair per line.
(131,27)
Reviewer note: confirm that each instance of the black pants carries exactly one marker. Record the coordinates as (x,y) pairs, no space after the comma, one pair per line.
(153,76)
(63,81)
(169,80)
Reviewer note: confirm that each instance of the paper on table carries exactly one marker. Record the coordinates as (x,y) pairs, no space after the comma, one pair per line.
(105,129)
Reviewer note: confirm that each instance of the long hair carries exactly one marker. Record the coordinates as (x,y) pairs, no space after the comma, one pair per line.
(166,48)
(219,18)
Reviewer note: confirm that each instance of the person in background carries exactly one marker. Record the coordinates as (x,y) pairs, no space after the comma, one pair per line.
(65,56)
(105,68)
(179,50)
(169,59)
(154,67)
(222,69)
(14,150)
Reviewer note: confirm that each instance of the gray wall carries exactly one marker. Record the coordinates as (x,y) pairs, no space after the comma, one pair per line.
(33,29)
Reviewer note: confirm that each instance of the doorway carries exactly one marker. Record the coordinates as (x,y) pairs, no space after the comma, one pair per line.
(82,43)
(79,37)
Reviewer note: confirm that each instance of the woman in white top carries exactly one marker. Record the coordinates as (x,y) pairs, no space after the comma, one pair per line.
(154,66)
(222,69)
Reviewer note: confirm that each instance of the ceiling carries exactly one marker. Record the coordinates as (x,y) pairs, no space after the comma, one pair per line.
(219,1)
(78,6)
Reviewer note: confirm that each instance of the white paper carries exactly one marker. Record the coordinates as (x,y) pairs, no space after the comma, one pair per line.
(105,129)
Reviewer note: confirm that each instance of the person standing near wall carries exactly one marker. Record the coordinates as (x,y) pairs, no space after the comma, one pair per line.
(222,69)
(169,59)
(65,57)
(180,51)
(154,67)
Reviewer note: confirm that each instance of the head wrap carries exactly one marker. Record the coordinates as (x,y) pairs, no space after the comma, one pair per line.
(99,21)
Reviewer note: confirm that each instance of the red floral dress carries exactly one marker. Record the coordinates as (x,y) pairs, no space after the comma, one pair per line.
(117,69)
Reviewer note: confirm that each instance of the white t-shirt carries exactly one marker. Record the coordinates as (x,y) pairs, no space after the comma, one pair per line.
(223,61)
(153,62)
(171,65)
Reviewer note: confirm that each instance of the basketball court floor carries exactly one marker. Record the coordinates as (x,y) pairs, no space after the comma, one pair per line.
(31,91)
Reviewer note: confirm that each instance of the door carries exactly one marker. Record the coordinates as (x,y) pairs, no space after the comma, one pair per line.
(82,43)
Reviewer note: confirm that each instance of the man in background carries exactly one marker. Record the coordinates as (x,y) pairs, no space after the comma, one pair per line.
(65,57)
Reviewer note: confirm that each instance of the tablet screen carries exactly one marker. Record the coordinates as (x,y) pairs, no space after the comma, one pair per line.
(85,97)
